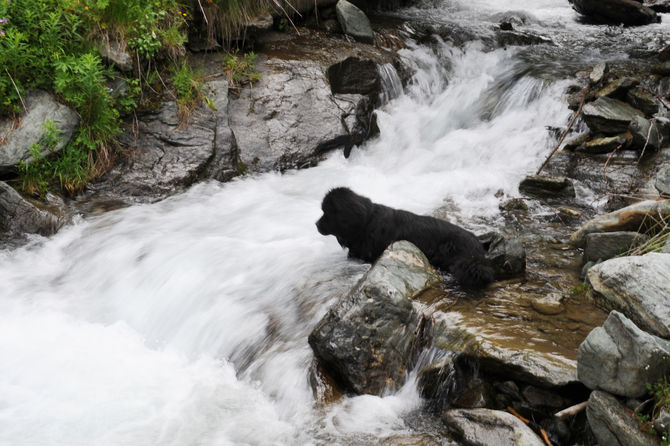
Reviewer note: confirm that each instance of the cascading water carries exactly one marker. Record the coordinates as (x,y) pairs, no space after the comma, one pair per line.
(185,322)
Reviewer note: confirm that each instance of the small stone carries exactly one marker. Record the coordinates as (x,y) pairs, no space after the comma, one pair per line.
(606,144)
(617,87)
(598,73)
(544,186)
(549,305)
(577,141)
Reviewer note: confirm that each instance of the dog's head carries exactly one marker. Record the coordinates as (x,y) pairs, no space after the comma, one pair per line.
(345,214)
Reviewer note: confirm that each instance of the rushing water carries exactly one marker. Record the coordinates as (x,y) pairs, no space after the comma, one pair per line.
(185,322)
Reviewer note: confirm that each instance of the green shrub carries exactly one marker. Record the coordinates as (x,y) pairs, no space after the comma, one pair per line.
(36,175)
(241,70)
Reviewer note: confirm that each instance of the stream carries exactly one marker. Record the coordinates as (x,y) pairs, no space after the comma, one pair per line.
(185,322)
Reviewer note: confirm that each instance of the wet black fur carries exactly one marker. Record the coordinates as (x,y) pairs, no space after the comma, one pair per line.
(367,229)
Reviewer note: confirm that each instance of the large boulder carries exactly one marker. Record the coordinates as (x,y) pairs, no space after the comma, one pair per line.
(41,109)
(630,218)
(18,216)
(354,22)
(616,12)
(368,338)
(609,116)
(290,118)
(613,424)
(639,287)
(486,427)
(621,359)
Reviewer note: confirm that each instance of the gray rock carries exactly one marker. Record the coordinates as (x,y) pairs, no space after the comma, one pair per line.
(224,165)
(507,255)
(18,216)
(598,73)
(577,141)
(618,87)
(630,218)
(639,287)
(604,145)
(605,245)
(614,425)
(290,118)
(662,421)
(354,75)
(41,108)
(115,54)
(609,116)
(616,12)
(663,69)
(658,5)
(368,338)
(643,101)
(540,368)
(647,134)
(621,359)
(354,22)
(662,183)
(547,187)
(486,427)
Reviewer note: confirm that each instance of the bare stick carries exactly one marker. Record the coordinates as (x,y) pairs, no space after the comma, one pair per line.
(652,123)
(203,13)
(17,90)
(565,133)
(609,158)
(570,411)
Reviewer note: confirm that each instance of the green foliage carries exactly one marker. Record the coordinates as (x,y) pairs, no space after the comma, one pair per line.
(187,86)
(36,175)
(241,70)
(580,290)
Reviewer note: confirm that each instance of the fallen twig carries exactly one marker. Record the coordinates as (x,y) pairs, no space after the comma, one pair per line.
(17,90)
(570,411)
(609,158)
(565,133)
(516,414)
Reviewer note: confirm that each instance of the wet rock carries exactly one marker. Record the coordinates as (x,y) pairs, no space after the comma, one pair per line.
(41,109)
(605,145)
(577,141)
(510,37)
(507,255)
(621,359)
(630,218)
(662,183)
(658,5)
(485,427)
(617,88)
(662,421)
(598,73)
(663,69)
(514,204)
(524,364)
(290,118)
(18,216)
(609,116)
(354,75)
(354,22)
(643,101)
(569,212)
(664,55)
(616,12)
(646,134)
(543,399)
(605,245)
(117,55)
(367,339)
(637,286)
(614,425)
(168,155)
(550,305)
(450,383)
(547,187)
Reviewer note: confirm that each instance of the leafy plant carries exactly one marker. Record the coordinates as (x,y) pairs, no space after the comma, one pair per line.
(241,70)
(36,175)
(188,88)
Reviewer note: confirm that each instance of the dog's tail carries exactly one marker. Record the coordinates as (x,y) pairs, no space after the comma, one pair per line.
(473,271)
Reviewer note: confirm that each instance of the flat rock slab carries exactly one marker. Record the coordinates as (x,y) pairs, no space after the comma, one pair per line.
(637,286)
(605,245)
(613,424)
(621,359)
(486,427)
(609,116)
(548,187)
(630,218)
(367,339)
(41,108)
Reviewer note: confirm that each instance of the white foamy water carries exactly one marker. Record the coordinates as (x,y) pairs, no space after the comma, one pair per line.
(185,322)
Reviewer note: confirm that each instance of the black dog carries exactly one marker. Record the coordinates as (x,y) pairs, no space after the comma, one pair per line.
(367,229)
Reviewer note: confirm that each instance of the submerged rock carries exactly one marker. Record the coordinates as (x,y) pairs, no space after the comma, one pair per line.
(639,287)
(616,12)
(630,218)
(613,424)
(609,116)
(621,359)
(486,427)
(32,129)
(605,245)
(368,338)
(18,216)
(354,22)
